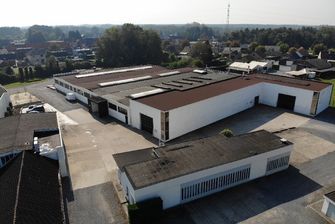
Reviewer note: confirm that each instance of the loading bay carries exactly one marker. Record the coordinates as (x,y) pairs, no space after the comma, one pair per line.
(292,196)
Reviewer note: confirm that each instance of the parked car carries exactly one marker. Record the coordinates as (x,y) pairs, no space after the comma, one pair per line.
(35,108)
(70,97)
(51,87)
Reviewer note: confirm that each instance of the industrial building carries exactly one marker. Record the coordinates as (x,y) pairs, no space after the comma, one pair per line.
(5,103)
(159,101)
(37,132)
(187,171)
(328,207)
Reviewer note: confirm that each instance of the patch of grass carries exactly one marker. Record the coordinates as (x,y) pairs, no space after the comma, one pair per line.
(332,81)
(22,84)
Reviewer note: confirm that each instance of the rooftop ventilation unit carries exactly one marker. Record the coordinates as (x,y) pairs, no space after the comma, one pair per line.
(169,73)
(123,81)
(146,93)
(199,71)
(284,141)
(113,72)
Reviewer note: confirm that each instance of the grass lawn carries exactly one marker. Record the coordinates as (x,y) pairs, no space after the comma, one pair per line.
(22,84)
(331,80)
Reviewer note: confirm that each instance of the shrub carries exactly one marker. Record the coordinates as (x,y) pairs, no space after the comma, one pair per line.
(227,132)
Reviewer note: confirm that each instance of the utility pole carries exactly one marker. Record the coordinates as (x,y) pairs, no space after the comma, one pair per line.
(227,28)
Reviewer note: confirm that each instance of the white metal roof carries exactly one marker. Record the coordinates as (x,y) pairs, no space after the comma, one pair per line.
(113,72)
(123,81)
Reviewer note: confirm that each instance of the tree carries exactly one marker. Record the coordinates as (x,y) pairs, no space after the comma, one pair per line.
(26,73)
(31,73)
(21,74)
(9,70)
(52,66)
(317,48)
(253,46)
(202,51)
(284,47)
(260,50)
(74,35)
(129,45)
(35,37)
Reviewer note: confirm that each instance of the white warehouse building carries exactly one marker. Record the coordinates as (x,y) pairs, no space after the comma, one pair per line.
(187,171)
(170,103)
(5,103)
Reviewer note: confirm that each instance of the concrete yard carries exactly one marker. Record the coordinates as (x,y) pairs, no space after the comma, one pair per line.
(286,197)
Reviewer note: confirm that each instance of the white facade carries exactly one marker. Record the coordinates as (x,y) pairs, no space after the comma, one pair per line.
(170,191)
(193,116)
(79,97)
(136,109)
(4,103)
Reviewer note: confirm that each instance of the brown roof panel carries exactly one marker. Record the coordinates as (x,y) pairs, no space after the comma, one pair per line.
(174,99)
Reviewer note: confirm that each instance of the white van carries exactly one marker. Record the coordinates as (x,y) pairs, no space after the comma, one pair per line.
(70,97)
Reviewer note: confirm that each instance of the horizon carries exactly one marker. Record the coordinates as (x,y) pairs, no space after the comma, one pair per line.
(174,24)
(150,12)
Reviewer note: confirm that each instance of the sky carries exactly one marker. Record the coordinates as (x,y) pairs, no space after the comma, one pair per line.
(77,12)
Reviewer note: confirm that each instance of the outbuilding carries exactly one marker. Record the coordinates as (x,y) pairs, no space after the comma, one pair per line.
(187,171)
(328,207)
(5,103)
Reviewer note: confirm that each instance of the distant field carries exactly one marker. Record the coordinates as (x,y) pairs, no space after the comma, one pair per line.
(22,84)
(331,80)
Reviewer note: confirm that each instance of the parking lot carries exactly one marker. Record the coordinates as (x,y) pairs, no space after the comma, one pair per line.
(281,198)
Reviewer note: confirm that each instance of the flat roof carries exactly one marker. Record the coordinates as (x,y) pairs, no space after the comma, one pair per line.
(152,166)
(92,82)
(17,132)
(174,99)
(331,196)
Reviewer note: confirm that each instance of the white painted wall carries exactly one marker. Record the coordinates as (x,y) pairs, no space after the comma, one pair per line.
(324,99)
(137,108)
(117,115)
(4,104)
(170,191)
(190,117)
(303,97)
(79,97)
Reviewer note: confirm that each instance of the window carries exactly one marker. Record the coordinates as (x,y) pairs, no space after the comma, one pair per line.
(66,86)
(87,95)
(277,163)
(199,188)
(122,110)
(56,81)
(112,106)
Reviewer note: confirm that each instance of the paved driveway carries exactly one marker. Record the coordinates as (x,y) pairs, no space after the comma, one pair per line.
(90,145)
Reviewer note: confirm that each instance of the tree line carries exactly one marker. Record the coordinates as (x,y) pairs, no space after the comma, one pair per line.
(306,37)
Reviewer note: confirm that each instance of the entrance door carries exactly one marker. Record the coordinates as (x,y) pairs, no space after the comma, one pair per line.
(286,101)
(147,123)
(256,102)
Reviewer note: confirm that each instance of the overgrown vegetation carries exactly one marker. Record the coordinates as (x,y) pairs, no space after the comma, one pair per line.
(227,132)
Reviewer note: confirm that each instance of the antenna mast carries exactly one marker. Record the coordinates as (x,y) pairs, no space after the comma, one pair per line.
(228,16)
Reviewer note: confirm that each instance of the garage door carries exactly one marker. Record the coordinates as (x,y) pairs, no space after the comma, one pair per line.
(147,123)
(286,101)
